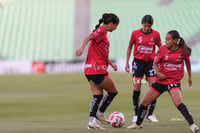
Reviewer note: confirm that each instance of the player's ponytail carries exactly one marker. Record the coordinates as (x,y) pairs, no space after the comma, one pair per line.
(100,21)
(187,50)
(181,42)
(107,18)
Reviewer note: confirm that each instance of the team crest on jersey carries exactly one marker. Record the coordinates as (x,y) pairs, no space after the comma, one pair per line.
(179,57)
(140,39)
(152,39)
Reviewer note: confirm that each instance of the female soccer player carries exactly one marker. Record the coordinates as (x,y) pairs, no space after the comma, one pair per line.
(145,41)
(169,66)
(96,69)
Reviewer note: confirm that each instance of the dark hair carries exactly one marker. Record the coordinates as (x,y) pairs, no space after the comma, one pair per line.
(180,42)
(147,19)
(107,18)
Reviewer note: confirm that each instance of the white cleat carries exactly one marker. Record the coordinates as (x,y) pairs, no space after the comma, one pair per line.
(134,126)
(94,126)
(134,119)
(102,119)
(152,118)
(194,128)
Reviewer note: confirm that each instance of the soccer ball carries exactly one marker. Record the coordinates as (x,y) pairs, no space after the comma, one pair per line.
(117,119)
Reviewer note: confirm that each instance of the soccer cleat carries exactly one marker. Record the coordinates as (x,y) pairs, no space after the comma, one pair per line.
(134,119)
(194,128)
(102,119)
(94,126)
(152,118)
(134,126)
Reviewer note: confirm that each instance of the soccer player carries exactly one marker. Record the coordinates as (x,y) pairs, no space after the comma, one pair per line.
(144,41)
(169,66)
(96,69)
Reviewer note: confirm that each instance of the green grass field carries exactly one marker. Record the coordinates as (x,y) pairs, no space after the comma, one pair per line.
(60,104)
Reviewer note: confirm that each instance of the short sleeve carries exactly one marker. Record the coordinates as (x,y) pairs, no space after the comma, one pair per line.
(97,34)
(158,40)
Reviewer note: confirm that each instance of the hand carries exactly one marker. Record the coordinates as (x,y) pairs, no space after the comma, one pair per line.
(161,75)
(114,66)
(190,82)
(79,52)
(127,68)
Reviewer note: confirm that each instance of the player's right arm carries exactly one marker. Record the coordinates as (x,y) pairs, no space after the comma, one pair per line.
(128,53)
(157,61)
(159,74)
(79,51)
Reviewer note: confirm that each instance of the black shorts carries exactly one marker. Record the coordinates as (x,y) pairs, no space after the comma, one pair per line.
(160,88)
(141,68)
(97,79)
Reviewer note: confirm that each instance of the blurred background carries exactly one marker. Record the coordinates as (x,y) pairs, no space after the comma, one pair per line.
(42,85)
(41,36)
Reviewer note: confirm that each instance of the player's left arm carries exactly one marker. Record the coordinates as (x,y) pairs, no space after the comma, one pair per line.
(188,67)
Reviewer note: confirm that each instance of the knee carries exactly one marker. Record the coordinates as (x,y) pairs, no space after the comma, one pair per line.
(145,102)
(177,103)
(113,94)
(137,88)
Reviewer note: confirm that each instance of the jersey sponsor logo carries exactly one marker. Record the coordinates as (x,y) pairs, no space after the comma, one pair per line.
(172,67)
(88,65)
(143,49)
(98,67)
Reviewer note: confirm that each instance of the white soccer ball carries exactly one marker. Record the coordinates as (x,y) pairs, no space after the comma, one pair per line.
(117,119)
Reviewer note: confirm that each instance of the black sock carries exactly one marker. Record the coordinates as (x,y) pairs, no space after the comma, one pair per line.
(106,101)
(151,108)
(95,104)
(141,114)
(186,113)
(136,100)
